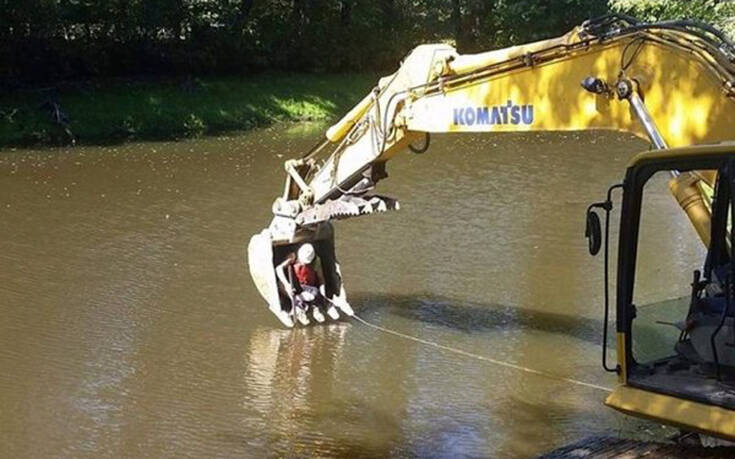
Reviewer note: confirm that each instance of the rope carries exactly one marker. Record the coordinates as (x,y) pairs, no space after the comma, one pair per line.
(482,357)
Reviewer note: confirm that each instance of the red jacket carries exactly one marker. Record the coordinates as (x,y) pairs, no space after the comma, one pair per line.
(305,274)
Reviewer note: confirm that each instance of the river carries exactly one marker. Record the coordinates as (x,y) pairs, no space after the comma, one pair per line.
(130,327)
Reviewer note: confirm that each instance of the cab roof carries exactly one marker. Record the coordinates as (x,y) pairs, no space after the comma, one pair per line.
(713,151)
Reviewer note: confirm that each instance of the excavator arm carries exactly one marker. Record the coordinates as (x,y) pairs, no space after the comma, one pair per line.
(670,82)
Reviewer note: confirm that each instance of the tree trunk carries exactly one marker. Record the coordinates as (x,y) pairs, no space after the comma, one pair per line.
(482,21)
(245,7)
(388,7)
(299,17)
(457,23)
(243,14)
(345,12)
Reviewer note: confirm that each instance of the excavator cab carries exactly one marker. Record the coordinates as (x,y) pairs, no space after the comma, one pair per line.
(676,348)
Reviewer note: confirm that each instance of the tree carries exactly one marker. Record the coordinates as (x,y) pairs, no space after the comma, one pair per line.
(48,40)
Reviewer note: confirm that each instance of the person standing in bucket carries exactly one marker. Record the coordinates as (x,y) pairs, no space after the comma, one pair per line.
(308,292)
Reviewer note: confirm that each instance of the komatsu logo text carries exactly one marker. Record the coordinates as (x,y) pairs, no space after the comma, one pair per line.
(508,113)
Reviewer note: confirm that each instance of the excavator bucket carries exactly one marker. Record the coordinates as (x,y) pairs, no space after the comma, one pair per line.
(265,255)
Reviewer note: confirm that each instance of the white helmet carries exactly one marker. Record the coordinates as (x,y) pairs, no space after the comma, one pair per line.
(306,253)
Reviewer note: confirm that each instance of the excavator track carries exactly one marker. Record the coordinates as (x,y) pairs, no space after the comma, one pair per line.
(610,447)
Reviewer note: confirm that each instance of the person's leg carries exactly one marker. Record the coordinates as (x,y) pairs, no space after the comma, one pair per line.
(314,302)
(299,310)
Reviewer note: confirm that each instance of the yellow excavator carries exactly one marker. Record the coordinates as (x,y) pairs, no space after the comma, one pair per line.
(671,83)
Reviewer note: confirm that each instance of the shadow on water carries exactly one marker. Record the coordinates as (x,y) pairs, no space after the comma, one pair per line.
(474,317)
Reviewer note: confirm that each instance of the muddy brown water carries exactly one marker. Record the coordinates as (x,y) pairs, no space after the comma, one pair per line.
(129,326)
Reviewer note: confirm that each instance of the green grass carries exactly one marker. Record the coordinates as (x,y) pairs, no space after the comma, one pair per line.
(118,111)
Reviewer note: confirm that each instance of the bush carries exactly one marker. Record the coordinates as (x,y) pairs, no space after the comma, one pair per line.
(44,41)
(720,14)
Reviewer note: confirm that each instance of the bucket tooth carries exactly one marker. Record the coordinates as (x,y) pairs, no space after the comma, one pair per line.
(318,316)
(332,313)
(284,317)
(345,307)
(340,302)
(301,317)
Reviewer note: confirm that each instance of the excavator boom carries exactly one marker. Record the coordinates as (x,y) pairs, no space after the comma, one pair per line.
(669,82)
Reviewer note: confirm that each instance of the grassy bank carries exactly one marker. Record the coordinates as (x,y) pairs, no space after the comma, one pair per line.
(117,111)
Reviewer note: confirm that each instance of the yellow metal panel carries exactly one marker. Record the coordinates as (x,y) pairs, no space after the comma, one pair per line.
(340,129)
(711,420)
(550,93)
(683,95)
(621,358)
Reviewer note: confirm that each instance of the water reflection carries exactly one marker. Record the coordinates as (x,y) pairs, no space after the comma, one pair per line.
(280,362)
(297,385)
